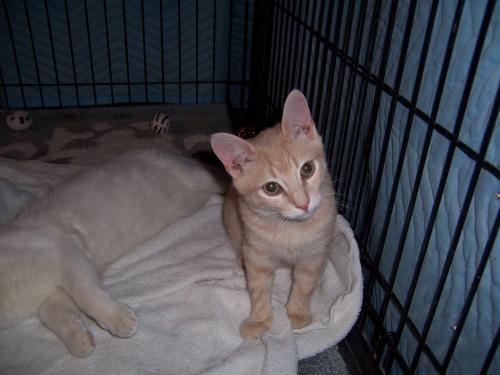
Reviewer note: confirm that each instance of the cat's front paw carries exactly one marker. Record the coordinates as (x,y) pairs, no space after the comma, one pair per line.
(252,330)
(123,322)
(299,319)
(80,342)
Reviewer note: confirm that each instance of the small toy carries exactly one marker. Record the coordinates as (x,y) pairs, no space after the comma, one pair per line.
(19,120)
(160,123)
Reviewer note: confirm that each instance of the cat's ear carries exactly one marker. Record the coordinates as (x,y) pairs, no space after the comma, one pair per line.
(234,152)
(297,122)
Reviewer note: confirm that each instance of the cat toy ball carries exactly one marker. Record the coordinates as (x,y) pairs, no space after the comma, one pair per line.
(19,120)
(160,123)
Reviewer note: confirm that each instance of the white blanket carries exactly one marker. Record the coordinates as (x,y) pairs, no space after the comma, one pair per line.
(190,297)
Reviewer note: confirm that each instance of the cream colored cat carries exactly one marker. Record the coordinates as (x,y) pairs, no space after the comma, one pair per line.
(53,252)
(280,210)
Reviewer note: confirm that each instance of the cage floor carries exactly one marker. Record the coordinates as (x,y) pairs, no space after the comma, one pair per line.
(90,136)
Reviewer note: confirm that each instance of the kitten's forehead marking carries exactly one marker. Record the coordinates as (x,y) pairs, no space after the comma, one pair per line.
(286,172)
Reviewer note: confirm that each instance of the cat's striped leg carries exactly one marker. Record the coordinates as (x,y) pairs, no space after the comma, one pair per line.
(260,283)
(62,317)
(305,279)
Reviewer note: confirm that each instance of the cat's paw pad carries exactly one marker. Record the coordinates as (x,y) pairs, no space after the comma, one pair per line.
(123,322)
(300,319)
(80,342)
(252,330)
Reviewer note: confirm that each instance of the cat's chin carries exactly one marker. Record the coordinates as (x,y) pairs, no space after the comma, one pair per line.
(298,216)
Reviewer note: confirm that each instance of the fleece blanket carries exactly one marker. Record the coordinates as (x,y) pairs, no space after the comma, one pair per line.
(190,297)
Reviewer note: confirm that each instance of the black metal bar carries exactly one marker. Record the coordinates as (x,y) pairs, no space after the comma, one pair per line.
(425,150)
(485,257)
(13,44)
(110,69)
(179,49)
(276,55)
(324,56)
(89,43)
(370,137)
(347,130)
(362,171)
(33,49)
(415,94)
(273,62)
(229,42)
(358,348)
(331,78)
(309,49)
(72,53)
(370,313)
(491,354)
(373,79)
(312,92)
(351,88)
(334,142)
(4,90)
(399,75)
(283,62)
(458,125)
(304,36)
(293,33)
(336,166)
(213,49)
(126,50)
(285,85)
(51,38)
(373,119)
(280,52)
(144,56)
(270,12)
(257,56)
(297,20)
(244,62)
(410,116)
(162,54)
(186,82)
(197,49)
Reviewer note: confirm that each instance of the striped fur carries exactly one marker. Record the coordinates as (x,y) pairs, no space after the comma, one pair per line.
(292,228)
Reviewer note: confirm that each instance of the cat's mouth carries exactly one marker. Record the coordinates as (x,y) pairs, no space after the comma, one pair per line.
(298,217)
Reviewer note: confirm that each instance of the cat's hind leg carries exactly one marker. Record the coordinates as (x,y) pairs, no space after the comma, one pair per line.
(62,316)
(82,283)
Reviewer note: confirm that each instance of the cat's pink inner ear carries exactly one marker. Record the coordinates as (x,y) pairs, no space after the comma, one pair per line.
(296,121)
(234,152)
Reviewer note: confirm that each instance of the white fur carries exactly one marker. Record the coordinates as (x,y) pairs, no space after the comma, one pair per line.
(52,252)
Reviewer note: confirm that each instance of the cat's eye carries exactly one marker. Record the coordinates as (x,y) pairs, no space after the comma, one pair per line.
(307,169)
(272,188)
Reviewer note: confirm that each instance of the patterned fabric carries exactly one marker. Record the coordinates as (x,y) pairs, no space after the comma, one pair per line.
(89,136)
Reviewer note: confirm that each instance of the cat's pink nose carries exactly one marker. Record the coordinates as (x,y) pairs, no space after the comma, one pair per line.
(304,207)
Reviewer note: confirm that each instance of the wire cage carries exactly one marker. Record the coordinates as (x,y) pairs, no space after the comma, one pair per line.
(406,97)
(404,93)
(93,53)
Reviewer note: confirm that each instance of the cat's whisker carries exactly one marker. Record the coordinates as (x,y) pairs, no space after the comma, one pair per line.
(289,230)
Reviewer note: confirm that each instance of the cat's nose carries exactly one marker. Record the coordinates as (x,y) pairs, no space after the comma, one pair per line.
(303,206)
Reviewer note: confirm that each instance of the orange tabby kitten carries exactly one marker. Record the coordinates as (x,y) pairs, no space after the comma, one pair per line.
(280,211)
